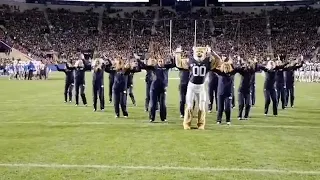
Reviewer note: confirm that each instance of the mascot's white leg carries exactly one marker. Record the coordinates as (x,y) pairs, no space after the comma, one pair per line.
(195,105)
(190,96)
(206,86)
(203,105)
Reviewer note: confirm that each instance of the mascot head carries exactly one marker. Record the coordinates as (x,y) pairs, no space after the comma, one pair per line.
(199,53)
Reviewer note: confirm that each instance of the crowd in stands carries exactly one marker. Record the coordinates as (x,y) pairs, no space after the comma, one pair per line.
(246,34)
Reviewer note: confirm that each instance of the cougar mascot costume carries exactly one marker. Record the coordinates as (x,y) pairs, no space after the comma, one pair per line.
(202,62)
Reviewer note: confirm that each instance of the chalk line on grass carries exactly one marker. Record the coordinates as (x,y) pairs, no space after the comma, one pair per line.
(158,168)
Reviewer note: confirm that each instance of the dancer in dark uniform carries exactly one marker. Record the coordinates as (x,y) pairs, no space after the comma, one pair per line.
(69,80)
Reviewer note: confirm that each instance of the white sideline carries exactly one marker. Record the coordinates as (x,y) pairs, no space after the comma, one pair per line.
(159,168)
(116,122)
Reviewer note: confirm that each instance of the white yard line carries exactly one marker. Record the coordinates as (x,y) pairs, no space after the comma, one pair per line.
(137,122)
(157,168)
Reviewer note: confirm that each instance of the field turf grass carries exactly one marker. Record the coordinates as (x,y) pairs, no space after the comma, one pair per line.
(42,138)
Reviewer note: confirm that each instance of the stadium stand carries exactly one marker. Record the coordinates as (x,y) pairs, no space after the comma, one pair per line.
(34,29)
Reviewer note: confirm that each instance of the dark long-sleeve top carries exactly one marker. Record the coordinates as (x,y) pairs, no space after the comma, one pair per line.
(246,79)
(80,72)
(225,82)
(289,75)
(98,75)
(69,74)
(120,82)
(270,76)
(160,74)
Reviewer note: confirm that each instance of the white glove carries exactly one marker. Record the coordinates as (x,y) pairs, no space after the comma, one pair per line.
(208,49)
(81,56)
(179,50)
(136,56)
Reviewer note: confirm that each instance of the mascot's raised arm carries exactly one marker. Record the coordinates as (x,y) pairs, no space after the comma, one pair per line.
(202,61)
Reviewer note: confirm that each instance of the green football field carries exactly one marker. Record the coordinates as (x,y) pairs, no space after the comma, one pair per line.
(42,138)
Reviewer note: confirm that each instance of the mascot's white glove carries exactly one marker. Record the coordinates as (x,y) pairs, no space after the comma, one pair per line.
(81,56)
(136,56)
(208,49)
(179,49)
